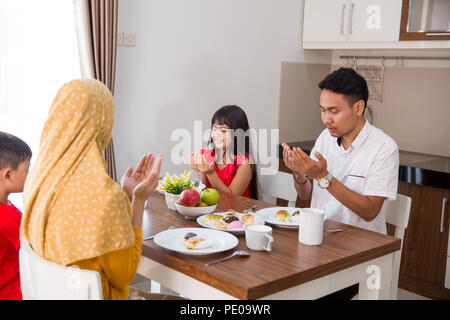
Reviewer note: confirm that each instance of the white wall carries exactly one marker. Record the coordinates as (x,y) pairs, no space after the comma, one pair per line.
(192,57)
(300,116)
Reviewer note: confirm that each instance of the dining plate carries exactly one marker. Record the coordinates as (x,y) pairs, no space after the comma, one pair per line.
(268,215)
(174,240)
(234,231)
(207,225)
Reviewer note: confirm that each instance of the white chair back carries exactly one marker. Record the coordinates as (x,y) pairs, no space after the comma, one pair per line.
(397,214)
(44,280)
(278,185)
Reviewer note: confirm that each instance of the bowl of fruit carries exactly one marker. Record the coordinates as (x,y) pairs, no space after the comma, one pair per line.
(193,204)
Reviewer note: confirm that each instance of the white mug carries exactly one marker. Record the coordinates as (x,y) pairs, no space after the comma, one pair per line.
(310,230)
(259,237)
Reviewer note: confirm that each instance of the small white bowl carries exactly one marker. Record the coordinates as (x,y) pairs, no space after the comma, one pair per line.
(194,212)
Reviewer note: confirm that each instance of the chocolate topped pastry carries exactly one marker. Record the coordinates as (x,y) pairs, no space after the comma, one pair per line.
(296,214)
(189,235)
(230,219)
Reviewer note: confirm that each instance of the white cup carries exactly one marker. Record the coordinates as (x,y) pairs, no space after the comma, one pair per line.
(259,237)
(310,230)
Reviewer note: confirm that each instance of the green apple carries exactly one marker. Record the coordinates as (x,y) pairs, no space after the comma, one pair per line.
(210,196)
(202,204)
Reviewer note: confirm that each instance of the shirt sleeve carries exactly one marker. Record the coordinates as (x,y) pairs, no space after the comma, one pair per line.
(120,266)
(312,153)
(10,227)
(382,178)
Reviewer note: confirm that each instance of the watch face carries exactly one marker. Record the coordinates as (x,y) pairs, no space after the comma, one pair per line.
(323,183)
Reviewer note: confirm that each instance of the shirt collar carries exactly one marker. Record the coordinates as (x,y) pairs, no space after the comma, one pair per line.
(359,140)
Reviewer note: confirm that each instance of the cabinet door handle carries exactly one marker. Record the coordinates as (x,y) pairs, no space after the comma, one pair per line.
(444,204)
(350,24)
(436,34)
(342,18)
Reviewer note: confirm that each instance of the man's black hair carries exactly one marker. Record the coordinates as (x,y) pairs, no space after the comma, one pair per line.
(13,151)
(347,82)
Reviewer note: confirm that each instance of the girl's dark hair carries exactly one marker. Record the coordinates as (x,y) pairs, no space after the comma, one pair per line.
(13,151)
(347,82)
(235,118)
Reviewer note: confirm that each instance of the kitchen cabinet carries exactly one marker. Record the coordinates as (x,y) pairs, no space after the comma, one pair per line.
(351,20)
(425,20)
(325,21)
(361,24)
(425,244)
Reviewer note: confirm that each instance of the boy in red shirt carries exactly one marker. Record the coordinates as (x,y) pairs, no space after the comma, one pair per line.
(15,158)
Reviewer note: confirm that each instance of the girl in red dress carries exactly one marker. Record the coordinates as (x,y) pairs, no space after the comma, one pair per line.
(226,166)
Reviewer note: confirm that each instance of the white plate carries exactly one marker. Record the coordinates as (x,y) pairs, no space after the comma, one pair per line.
(234,231)
(268,215)
(174,240)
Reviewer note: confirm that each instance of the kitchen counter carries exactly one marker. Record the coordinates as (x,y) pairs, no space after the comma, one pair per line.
(416,168)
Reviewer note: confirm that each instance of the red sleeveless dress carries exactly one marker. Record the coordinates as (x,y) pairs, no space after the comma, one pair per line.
(227,173)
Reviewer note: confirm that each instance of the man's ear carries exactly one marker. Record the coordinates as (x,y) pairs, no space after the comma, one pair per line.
(358,106)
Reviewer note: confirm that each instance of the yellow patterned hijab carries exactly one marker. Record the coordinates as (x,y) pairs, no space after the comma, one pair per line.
(73,209)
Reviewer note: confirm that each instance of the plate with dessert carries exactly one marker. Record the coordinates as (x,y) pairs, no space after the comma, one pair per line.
(196,241)
(229,220)
(284,217)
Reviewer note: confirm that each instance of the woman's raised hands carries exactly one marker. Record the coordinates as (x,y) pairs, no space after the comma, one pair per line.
(142,181)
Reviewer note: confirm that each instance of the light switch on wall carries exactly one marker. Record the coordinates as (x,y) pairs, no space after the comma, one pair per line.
(120,39)
(129,39)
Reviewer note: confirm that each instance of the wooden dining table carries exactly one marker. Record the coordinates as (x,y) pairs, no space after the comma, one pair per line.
(290,271)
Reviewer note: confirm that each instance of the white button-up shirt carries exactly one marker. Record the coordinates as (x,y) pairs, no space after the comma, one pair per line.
(369,166)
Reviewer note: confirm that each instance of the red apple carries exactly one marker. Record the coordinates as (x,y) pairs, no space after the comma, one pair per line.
(189,198)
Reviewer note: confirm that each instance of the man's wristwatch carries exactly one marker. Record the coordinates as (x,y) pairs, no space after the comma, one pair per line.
(325,182)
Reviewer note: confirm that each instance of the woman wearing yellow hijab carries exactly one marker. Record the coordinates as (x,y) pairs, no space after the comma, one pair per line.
(75,214)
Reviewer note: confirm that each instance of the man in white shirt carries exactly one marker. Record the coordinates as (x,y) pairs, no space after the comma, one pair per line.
(353,166)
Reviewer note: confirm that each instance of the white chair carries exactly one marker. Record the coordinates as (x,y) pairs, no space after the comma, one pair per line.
(44,280)
(278,184)
(397,214)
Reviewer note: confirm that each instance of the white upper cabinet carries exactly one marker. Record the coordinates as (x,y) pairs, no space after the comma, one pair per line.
(377,20)
(325,20)
(351,23)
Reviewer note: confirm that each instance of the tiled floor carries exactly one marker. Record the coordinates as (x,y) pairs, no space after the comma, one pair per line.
(145,284)
(141,282)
